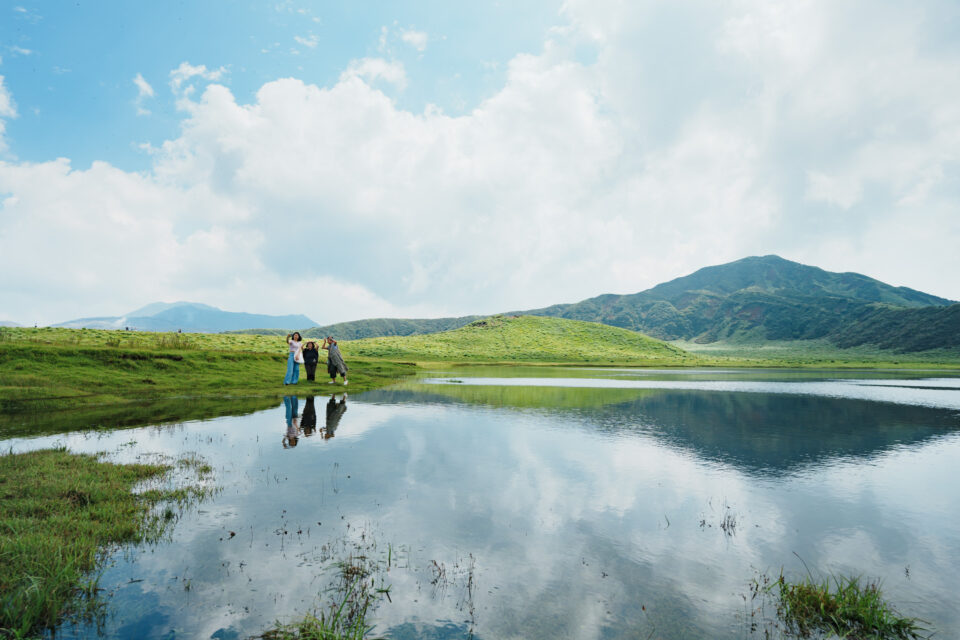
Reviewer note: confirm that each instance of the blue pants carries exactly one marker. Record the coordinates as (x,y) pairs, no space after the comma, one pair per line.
(293,371)
(290,405)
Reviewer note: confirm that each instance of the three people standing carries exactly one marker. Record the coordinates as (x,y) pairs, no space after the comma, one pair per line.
(308,355)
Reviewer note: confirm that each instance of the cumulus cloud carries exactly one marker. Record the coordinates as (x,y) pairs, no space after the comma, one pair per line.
(144,91)
(826,133)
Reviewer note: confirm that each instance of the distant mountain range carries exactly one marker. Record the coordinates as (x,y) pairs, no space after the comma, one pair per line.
(189,316)
(751,300)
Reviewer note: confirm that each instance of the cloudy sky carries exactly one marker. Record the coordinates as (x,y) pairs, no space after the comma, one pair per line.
(409,159)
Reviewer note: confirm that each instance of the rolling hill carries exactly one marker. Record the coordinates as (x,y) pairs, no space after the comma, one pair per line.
(524,338)
(188,316)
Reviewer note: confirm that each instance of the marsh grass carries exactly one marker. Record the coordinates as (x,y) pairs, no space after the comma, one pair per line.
(60,514)
(358,587)
(834,606)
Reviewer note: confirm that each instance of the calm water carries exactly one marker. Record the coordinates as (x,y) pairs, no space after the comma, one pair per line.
(557,503)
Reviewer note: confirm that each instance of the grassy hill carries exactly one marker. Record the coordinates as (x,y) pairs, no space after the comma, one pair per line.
(526,339)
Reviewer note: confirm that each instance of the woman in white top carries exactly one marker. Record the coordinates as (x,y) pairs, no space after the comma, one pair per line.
(294,358)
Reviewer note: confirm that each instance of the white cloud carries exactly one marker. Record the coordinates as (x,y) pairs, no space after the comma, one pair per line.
(8,109)
(144,91)
(416,39)
(373,69)
(682,142)
(20,50)
(310,41)
(180,78)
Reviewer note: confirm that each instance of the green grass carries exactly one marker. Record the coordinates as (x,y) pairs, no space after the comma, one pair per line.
(59,512)
(59,369)
(837,606)
(528,339)
(817,353)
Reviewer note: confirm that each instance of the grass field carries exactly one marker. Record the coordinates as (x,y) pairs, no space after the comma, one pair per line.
(43,372)
(806,353)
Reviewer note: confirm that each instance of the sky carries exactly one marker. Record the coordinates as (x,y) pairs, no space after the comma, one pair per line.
(425,159)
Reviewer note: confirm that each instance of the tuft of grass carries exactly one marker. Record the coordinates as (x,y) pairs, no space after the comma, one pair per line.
(59,511)
(839,606)
(345,616)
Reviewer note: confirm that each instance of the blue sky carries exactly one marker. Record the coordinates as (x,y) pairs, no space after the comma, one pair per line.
(348,160)
(71,65)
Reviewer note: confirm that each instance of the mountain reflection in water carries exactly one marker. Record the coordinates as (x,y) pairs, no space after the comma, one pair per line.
(757,433)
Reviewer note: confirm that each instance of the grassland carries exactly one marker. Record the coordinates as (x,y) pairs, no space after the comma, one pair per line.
(58,512)
(818,353)
(69,368)
(527,339)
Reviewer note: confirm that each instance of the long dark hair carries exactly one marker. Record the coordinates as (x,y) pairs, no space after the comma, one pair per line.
(296,336)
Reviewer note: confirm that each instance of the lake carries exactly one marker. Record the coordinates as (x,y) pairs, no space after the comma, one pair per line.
(541,502)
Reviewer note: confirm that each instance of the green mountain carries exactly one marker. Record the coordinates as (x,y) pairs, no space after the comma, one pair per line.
(524,338)
(769,298)
(387,327)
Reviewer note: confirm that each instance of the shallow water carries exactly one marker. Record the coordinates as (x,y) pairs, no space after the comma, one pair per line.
(545,503)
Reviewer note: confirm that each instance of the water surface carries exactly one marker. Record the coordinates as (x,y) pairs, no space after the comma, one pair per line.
(545,503)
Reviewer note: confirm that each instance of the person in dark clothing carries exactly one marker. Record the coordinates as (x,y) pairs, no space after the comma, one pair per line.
(311,356)
(308,419)
(335,411)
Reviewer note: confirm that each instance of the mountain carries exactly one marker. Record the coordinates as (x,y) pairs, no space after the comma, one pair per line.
(189,316)
(759,298)
(388,327)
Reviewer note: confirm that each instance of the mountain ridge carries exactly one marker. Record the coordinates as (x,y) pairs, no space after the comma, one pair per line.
(188,316)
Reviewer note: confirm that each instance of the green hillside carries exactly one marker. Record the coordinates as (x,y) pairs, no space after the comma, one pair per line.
(904,330)
(527,339)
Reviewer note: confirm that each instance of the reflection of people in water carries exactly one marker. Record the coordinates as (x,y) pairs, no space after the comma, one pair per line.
(335,411)
(291,405)
(308,420)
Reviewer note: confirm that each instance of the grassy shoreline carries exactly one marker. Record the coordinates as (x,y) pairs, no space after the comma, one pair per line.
(59,513)
(53,369)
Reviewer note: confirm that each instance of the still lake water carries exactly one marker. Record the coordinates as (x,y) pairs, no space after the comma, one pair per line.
(549,503)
